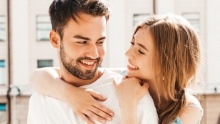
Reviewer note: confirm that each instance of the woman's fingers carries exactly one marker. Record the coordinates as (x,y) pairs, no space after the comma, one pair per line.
(96,95)
(94,116)
(103,111)
(85,118)
(96,110)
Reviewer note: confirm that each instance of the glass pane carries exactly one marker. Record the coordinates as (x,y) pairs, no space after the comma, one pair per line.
(2,63)
(194,20)
(43,35)
(44,63)
(43,18)
(2,72)
(2,28)
(43,27)
(137,18)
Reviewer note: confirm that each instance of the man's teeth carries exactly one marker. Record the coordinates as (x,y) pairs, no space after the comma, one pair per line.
(87,63)
(134,67)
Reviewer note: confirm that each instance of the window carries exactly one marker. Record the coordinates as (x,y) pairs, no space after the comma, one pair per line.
(137,18)
(2,28)
(44,63)
(43,27)
(2,72)
(3,114)
(194,19)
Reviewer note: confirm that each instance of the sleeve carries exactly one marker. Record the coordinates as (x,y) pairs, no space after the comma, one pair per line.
(146,111)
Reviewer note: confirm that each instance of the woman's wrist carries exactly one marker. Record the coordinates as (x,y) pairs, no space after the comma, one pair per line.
(129,113)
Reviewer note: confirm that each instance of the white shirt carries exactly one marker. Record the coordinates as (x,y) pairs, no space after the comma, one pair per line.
(47,110)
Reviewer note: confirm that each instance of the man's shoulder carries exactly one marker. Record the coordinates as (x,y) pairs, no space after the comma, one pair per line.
(36,97)
(40,98)
(115,71)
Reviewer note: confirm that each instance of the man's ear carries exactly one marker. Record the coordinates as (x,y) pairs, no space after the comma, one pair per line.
(54,39)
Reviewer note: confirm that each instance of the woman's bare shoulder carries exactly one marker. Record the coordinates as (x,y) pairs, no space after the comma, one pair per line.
(193,111)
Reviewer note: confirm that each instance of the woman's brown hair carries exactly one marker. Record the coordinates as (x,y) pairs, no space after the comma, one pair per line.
(178,55)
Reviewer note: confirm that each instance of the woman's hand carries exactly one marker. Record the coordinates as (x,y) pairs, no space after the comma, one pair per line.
(130,90)
(84,103)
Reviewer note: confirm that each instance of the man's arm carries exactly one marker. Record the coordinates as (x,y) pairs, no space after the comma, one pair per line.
(48,82)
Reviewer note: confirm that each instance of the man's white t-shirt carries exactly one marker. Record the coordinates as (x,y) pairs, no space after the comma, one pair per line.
(47,110)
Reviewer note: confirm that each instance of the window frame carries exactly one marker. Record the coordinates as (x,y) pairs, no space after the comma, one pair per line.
(41,29)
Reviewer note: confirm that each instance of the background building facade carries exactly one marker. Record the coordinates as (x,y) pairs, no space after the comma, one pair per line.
(24,46)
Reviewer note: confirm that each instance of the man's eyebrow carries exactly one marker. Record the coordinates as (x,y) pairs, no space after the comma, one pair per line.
(81,37)
(102,38)
(141,45)
(86,38)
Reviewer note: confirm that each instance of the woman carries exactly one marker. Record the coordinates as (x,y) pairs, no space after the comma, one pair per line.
(165,53)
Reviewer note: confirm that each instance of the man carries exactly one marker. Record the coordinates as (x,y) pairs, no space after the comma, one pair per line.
(79,33)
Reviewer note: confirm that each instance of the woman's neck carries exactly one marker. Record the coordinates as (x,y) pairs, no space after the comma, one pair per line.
(159,101)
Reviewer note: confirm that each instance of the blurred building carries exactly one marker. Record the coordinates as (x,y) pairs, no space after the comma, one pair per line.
(25,46)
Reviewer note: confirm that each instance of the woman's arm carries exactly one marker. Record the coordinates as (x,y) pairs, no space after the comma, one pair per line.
(129,92)
(48,82)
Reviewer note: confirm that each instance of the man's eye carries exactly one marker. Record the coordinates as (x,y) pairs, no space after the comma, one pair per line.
(82,42)
(140,52)
(100,42)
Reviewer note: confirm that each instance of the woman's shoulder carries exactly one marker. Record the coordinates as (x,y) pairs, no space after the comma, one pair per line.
(193,111)
(192,101)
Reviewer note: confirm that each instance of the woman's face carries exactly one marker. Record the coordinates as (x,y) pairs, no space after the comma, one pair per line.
(141,56)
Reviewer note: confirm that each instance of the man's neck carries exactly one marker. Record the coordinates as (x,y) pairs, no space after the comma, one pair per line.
(69,78)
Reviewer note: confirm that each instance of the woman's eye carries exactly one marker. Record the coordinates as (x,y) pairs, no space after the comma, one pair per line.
(132,43)
(140,52)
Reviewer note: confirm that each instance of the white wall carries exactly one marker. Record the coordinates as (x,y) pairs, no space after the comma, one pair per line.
(116,36)
(165,6)
(19,41)
(213,41)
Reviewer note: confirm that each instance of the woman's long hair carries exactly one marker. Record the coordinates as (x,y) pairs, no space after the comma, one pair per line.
(178,55)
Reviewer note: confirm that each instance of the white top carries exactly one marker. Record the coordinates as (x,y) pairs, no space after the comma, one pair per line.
(48,110)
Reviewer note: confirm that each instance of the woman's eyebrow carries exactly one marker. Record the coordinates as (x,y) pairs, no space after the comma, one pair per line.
(142,46)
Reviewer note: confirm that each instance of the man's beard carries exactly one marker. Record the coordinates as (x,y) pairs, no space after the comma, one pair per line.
(73,68)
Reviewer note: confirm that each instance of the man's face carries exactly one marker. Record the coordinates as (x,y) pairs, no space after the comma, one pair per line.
(83,45)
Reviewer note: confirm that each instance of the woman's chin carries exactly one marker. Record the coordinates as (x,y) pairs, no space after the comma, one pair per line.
(131,75)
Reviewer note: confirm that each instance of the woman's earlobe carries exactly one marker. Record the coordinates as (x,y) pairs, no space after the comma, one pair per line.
(54,39)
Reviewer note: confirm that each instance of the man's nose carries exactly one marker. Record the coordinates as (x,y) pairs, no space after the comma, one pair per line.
(93,52)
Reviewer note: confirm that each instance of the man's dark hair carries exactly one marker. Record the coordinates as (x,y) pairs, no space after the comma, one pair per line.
(62,10)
